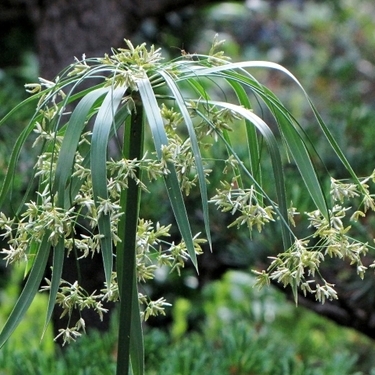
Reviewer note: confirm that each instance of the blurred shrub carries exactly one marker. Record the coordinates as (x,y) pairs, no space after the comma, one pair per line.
(244,331)
(259,332)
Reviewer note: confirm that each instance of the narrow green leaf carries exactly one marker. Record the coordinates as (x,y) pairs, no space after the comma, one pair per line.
(64,168)
(195,148)
(296,145)
(294,139)
(252,138)
(276,163)
(57,268)
(173,188)
(195,84)
(98,158)
(77,123)
(76,182)
(265,64)
(8,180)
(293,136)
(29,291)
(247,172)
(302,159)
(334,145)
(18,107)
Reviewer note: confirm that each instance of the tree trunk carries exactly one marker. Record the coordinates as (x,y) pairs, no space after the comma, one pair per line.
(67,29)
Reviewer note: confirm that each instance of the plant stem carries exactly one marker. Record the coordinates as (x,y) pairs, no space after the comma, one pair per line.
(130,340)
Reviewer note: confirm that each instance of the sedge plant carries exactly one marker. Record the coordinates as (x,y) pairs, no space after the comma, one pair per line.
(88,195)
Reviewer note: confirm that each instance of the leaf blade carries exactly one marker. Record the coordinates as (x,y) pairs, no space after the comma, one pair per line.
(98,157)
(70,142)
(173,189)
(195,148)
(276,164)
(29,291)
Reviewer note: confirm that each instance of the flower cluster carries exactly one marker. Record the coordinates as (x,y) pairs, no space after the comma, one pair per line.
(299,265)
(245,203)
(179,152)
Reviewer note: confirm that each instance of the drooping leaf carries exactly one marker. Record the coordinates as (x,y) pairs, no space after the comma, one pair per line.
(57,268)
(29,290)
(104,122)
(292,136)
(276,163)
(252,138)
(8,180)
(77,122)
(270,65)
(195,148)
(156,124)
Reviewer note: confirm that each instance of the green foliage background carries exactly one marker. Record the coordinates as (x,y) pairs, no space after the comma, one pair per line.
(244,331)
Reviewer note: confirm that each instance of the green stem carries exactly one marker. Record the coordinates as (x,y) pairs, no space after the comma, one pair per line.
(130,340)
